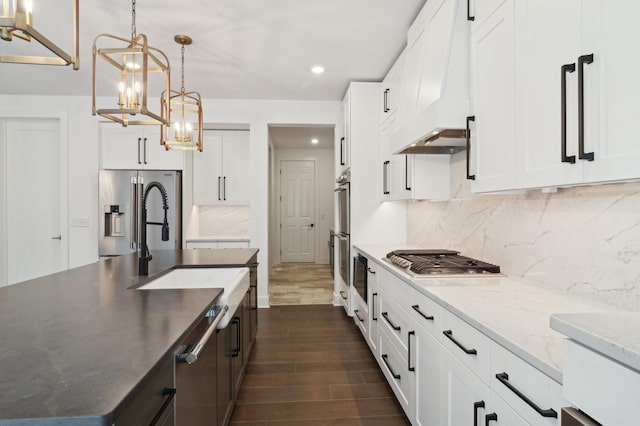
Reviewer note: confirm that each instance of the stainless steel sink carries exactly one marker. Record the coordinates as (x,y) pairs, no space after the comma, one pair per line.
(234,281)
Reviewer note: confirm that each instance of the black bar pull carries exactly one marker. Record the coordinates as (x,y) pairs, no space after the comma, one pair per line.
(489,418)
(170,392)
(224,188)
(385,177)
(385,315)
(422,314)
(504,379)
(409,334)
(476,405)
(406,173)
(386,101)
(342,295)
(139,140)
(469,175)
(567,68)
(371,271)
(342,151)
(235,352)
(373,307)
(219,178)
(355,312)
(145,151)
(384,358)
(449,335)
(584,59)
(469,17)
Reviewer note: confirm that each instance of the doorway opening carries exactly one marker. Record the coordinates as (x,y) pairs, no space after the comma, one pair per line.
(301,214)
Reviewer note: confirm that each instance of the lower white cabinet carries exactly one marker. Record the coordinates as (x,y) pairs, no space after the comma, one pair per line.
(216,244)
(425,364)
(373,297)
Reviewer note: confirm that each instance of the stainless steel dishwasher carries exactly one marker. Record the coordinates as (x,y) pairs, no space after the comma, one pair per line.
(196,372)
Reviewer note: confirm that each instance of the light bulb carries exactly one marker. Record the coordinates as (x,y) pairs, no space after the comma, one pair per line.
(189,127)
(137,86)
(28,5)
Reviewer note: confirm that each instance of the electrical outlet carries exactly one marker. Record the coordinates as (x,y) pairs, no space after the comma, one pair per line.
(79,222)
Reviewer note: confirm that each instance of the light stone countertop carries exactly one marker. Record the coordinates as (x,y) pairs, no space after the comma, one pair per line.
(614,334)
(511,311)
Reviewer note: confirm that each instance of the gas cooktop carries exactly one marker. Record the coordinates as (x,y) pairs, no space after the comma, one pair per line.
(439,262)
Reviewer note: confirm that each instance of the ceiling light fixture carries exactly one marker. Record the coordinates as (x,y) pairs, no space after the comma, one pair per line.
(185,132)
(16,20)
(317,69)
(314,141)
(135,62)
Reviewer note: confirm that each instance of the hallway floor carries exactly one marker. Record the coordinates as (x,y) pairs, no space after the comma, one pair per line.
(300,284)
(310,366)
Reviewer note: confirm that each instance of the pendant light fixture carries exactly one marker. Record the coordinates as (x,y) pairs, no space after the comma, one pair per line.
(185,132)
(132,64)
(16,20)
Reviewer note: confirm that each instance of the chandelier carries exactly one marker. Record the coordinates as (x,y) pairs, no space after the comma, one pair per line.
(185,132)
(16,20)
(133,63)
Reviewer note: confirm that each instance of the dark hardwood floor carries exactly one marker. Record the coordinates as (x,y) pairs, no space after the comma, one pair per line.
(310,366)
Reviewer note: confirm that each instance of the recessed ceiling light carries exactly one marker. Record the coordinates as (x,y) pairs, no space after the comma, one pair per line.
(317,69)
(314,141)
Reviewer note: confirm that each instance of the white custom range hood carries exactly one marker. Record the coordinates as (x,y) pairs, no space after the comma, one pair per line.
(434,98)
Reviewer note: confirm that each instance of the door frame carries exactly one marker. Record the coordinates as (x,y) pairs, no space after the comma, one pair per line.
(63,161)
(278,174)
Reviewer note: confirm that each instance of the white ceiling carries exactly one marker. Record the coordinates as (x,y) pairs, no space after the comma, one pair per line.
(300,137)
(252,49)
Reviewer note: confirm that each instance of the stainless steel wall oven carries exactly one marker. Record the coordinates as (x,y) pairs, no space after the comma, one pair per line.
(343,230)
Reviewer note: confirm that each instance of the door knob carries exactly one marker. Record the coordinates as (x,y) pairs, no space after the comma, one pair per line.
(59,237)
(311,226)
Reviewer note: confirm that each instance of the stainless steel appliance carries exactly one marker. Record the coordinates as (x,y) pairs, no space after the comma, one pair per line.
(343,232)
(572,417)
(120,207)
(360,268)
(332,239)
(430,263)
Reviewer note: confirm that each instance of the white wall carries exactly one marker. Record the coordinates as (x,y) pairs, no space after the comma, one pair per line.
(83,161)
(324,196)
(583,240)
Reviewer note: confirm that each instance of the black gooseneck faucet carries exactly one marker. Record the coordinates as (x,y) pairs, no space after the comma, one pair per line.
(145,256)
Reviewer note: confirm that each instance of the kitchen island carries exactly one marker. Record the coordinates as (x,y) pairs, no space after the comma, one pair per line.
(78,345)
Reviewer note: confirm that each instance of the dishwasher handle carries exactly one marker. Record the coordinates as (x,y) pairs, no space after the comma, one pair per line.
(191,356)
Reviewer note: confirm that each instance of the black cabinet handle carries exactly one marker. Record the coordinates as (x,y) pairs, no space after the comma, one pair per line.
(469,119)
(384,358)
(385,315)
(355,312)
(145,151)
(476,405)
(385,177)
(224,188)
(385,107)
(170,392)
(582,60)
(139,140)
(342,151)
(422,314)
(342,295)
(219,178)
(567,68)
(449,335)
(406,173)
(469,17)
(489,418)
(504,379)
(373,307)
(235,352)
(371,271)
(409,334)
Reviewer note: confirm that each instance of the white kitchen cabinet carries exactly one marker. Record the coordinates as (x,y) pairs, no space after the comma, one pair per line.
(220,171)
(361,314)
(373,297)
(215,244)
(493,100)
(390,90)
(425,364)
(393,167)
(344,148)
(136,147)
(393,363)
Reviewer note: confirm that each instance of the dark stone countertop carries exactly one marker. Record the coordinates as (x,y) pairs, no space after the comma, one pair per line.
(75,344)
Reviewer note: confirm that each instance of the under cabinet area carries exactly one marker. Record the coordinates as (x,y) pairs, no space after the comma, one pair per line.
(135,148)
(220,172)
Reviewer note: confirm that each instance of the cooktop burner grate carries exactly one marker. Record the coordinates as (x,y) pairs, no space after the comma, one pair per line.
(440,262)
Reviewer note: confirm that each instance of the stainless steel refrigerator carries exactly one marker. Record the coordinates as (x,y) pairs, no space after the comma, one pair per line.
(119,209)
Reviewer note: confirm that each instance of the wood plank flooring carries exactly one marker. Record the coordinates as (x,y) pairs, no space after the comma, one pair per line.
(310,366)
(300,284)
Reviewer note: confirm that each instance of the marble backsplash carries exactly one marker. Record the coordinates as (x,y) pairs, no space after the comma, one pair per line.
(585,240)
(224,221)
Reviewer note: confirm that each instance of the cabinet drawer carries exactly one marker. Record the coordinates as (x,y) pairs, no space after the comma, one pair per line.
(393,363)
(361,315)
(394,320)
(426,313)
(518,377)
(466,343)
(394,287)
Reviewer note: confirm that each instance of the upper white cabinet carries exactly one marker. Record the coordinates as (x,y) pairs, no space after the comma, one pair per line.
(550,113)
(220,171)
(390,90)
(136,147)
(344,149)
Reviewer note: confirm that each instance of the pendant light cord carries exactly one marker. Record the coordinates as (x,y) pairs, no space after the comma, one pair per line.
(182,89)
(133,19)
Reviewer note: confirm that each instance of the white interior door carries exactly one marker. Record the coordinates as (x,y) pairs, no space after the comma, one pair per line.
(297,211)
(36,242)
